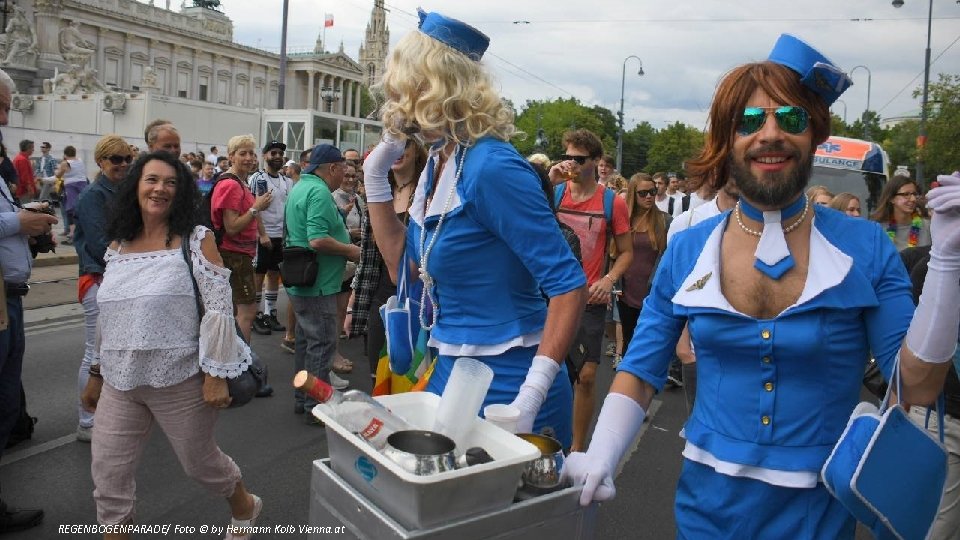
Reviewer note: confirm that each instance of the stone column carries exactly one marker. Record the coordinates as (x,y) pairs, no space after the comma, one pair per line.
(232,91)
(214,80)
(101,45)
(342,99)
(348,97)
(195,76)
(358,99)
(125,81)
(311,94)
(47,14)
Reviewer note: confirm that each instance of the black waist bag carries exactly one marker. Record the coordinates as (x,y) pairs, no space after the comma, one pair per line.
(299,267)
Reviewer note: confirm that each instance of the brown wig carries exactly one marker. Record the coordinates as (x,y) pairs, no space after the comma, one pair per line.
(779,82)
(884,212)
(655,220)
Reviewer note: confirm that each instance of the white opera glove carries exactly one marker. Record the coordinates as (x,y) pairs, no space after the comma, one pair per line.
(619,421)
(377,166)
(533,392)
(933,332)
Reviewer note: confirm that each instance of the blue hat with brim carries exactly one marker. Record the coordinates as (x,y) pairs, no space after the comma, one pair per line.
(455,34)
(321,155)
(816,71)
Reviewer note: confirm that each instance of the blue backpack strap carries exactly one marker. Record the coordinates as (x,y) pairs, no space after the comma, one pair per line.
(608,195)
(558,191)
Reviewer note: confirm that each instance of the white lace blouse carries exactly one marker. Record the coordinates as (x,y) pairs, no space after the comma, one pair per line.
(149,334)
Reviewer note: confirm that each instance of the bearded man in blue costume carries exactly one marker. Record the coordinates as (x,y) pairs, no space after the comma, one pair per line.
(785,303)
(481,234)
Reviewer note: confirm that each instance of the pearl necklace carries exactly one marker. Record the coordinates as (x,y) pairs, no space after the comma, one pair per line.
(425,249)
(739,213)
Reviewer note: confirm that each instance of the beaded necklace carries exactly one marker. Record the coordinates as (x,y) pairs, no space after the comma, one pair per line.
(426,248)
(916,223)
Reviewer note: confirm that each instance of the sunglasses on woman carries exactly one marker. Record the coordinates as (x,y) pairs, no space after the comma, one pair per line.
(579,159)
(791,119)
(646,192)
(118,160)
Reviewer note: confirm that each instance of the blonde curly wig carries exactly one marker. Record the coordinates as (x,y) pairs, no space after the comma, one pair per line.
(443,91)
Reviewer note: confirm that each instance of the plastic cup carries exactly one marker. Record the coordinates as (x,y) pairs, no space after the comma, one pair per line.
(503,416)
(461,400)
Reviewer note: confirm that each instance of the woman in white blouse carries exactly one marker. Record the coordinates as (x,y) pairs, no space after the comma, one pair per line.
(158,362)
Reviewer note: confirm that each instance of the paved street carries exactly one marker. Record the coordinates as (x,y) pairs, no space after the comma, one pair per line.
(271,444)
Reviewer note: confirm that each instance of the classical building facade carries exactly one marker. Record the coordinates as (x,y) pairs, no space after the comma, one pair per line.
(132,46)
(85,68)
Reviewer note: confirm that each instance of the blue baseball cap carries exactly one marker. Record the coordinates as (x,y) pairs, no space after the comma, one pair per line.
(321,155)
(455,34)
(816,71)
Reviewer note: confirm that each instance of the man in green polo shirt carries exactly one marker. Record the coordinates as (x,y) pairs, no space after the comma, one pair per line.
(313,221)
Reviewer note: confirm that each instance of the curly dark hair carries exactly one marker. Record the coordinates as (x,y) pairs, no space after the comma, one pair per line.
(126,220)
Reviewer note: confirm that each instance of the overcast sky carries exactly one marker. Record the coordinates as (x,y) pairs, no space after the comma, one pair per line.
(563,48)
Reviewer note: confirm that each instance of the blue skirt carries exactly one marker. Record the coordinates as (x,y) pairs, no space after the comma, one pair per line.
(509,371)
(711,505)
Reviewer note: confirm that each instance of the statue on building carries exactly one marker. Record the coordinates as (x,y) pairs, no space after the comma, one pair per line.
(21,40)
(208,4)
(89,82)
(73,47)
(149,78)
(63,83)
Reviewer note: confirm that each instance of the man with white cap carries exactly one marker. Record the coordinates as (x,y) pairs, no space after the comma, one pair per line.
(785,303)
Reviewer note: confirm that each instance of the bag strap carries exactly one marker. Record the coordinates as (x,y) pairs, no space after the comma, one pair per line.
(403,292)
(941,402)
(185,250)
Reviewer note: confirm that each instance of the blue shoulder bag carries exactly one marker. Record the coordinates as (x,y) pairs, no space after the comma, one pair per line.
(888,471)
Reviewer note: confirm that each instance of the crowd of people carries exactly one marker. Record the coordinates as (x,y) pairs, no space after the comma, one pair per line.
(731,279)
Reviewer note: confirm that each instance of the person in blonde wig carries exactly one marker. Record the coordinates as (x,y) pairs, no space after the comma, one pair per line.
(481,234)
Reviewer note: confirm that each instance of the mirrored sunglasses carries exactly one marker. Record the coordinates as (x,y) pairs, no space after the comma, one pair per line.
(118,160)
(579,159)
(791,119)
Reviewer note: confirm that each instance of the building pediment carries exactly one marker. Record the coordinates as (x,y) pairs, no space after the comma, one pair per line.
(113,51)
(341,61)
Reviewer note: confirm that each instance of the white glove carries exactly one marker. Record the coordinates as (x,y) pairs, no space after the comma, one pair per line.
(377,166)
(534,390)
(933,332)
(619,421)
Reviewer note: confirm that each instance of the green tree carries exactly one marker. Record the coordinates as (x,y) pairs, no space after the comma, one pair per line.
(900,143)
(367,103)
(672,147)
(942,152)
(554,118)
(636,147)
(867,127)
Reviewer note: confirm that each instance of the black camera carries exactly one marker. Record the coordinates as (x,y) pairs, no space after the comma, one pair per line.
(42,243)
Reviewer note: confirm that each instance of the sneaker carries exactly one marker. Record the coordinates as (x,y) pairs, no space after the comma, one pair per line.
(273,323)
(611,349)
(674,382)
(261,324)
(289,346)
(84,434)
(265,391)
(298,408)
(338,383)
(18,519)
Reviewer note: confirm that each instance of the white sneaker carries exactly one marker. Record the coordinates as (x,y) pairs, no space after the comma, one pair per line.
(84,434)
(339,383)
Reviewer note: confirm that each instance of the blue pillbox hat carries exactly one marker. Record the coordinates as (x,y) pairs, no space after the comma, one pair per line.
(455,34)
(816,71)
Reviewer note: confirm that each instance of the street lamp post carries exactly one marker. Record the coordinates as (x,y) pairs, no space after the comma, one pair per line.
(922,131)
(329,95)
(866,128)
(623,81)
(844,103)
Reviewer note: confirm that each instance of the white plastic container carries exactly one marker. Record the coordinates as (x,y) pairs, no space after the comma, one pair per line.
(420,502)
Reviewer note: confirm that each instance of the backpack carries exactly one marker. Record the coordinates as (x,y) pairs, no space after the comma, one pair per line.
(608,195)
(206,217)
(684,204)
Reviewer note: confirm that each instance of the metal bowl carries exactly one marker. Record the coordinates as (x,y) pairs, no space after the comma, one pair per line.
(422,453)
(543,473)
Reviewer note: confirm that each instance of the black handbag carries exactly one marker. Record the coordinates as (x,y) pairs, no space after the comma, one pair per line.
(299,267)
(253,380)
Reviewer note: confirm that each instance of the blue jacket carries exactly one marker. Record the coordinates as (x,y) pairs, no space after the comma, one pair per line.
(498,246)
(777,393)
(90,236)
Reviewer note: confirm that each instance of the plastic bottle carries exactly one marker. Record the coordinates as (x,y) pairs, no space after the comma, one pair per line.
(356,411)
